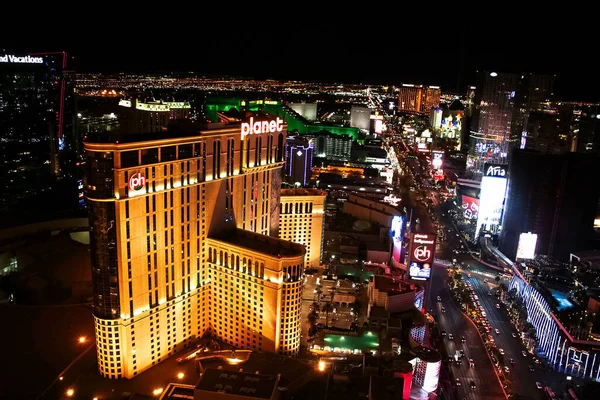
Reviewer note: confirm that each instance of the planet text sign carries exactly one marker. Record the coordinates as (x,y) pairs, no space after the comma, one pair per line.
(258,127)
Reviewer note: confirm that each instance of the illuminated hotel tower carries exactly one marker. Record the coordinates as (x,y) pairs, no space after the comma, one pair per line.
(301,221)
(179,226)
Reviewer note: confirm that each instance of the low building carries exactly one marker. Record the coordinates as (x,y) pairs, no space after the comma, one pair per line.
(223,385)
(392,294)
(371,210)
(301,221)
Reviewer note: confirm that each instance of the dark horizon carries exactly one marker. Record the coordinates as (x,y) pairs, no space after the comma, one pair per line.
(333,52)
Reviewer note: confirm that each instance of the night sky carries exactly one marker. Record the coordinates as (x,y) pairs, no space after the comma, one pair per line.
(370,48)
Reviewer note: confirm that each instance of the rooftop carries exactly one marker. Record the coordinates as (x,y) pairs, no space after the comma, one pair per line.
(384,388)
(303,192)
(261,243)
(389,285)
(238,383)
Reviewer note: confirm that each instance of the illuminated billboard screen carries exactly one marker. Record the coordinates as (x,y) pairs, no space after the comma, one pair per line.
(491,199)
(526,247)
(419,271)
(420,256)
(378,126)
(396,229)
(470,206)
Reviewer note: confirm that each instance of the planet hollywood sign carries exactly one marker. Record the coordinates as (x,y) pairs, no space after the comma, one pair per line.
(258,127)
(137,182)
(9,58)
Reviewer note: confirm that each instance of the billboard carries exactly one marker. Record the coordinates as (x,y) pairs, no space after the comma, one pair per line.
(420,255)
(491,199)
(396,228)
(526,247)
(470,206)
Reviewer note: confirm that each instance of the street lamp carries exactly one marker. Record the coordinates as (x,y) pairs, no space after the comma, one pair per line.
(82,339)
(70,392)
(158,391)
(180,375)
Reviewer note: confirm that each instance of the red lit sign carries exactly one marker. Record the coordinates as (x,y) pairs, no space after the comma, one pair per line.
(422,247)
(258,127)
(136,182)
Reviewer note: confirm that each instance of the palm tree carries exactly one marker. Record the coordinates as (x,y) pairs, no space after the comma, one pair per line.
(313,317)
(327,308)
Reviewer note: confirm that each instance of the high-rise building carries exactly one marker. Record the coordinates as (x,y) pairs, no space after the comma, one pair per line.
(360,117)
(38,138)
(180,225)
(418,98)
(503,103)
(334,147)
(151,116)
(301,221)
(435,117)
(554,196)
(307,110)
(298,160)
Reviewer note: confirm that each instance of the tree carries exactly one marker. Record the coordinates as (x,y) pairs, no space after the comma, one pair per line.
(327,308)
(313,317)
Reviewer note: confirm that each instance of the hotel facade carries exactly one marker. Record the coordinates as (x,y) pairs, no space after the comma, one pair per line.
(301,221)
(180,225)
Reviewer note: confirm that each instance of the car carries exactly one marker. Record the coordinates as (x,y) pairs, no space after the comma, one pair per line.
(439,298)
(450,337)
(514,334)
(489,293)
(531,368)
(462,352)
(506,369)
(484,314)
(471,362)
(450,359)
(476,297)
(443,333)
(473,385)
(497,305)
(524,353)
(462,339)
(512,361)
(497,331)
(539,385)
(443,309)
(457,382)
(501,351)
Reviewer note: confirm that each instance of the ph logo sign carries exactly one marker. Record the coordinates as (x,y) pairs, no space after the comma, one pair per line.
(422,253)
(136,182)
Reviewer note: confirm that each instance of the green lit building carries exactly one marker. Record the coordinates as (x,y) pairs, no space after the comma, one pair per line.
(295,121)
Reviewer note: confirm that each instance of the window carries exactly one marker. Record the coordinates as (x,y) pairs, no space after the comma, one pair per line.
(168,153)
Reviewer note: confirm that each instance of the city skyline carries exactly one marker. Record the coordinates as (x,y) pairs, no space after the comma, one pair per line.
(446,58)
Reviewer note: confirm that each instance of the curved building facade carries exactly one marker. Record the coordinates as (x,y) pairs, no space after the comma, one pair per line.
(556,344)
(179,230)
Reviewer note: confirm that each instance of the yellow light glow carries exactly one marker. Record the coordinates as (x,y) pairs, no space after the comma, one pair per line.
(158,391)
(321,365)
(95,398)
(234,361)
(180,375)
(82,339)
(60,378)
(70,392)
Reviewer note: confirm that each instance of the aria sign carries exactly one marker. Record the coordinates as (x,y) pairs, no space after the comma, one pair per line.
(495,170)
(258,127)
(136,182)
(9,58)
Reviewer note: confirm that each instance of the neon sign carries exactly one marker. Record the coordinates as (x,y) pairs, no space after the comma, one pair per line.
(9,58)
(136,182)
(495,170)
(258,127)
(422,253)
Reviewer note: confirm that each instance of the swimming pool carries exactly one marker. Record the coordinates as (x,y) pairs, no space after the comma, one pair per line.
(562,298)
